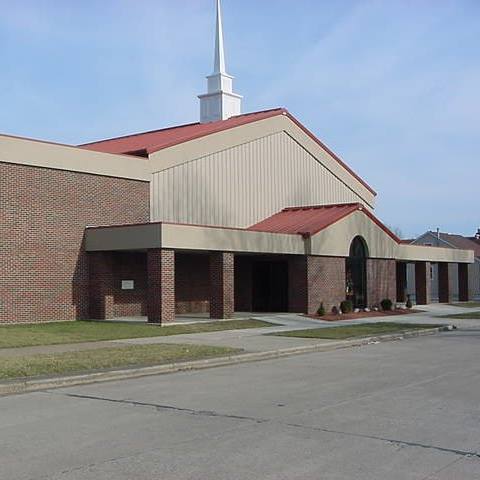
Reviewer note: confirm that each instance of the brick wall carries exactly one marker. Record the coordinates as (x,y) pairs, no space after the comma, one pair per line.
(130,266)
(313,280)
(381,281)
(192,283)
(326,282)
(43,214)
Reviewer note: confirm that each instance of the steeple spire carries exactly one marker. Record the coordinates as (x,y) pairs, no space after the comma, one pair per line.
(219,66)
(220,103)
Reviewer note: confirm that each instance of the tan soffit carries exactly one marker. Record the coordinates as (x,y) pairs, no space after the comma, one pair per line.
(189,237)
(201,147)
(62,157)
(333,241)
(434,254)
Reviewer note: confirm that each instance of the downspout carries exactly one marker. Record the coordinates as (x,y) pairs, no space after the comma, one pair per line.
(307,242)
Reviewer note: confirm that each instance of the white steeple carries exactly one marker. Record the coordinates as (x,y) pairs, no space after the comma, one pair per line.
(220,102)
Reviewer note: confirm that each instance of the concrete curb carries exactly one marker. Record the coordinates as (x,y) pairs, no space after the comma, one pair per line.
(25,386)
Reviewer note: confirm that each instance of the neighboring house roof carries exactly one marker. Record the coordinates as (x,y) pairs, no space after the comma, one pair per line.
(452,241)
(310,220)
(144,144)
(461,242)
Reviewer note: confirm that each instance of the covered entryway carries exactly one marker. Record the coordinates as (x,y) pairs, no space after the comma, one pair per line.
(356,273)
(261,283)
(270,286)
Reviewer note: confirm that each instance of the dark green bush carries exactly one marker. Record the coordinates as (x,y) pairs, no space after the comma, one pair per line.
(346,306)
(386,304)
(321,310)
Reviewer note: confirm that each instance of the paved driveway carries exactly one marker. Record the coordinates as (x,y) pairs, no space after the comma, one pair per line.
(402,410)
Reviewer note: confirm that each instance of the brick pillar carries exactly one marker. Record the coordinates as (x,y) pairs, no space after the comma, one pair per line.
(222,301)
(381,280)
(422,283)
(401,281)
(444,293)
(313,280)
(101,285)
(161,285)
(463,293)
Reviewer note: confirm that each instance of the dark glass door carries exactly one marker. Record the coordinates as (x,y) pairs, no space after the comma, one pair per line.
(270,286)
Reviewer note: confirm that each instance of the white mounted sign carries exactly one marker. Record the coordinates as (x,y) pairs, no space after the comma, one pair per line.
(128,284)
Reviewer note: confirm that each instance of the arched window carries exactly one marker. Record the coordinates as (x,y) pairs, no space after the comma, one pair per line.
(356,273)
(358,248)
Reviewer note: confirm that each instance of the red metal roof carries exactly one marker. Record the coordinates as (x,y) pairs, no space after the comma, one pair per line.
(143,144)
(150,142)
(312,219)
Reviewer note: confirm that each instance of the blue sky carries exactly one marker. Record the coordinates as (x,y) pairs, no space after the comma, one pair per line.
(392,86)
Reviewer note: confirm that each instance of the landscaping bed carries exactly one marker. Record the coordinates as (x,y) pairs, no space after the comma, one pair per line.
(84,331)
(106,358)
(354,316)
(355,331)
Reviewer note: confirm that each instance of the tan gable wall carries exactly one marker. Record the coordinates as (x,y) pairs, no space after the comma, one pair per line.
(336,239)
(242,185)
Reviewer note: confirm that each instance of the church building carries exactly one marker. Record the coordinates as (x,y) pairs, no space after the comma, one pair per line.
(235,213)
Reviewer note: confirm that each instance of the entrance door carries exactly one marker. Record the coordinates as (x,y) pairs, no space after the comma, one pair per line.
(270,286)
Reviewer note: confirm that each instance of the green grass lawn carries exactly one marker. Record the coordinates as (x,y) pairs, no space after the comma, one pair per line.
(84,331)
(105,358)
(465,316)
(466,304)
(354,331)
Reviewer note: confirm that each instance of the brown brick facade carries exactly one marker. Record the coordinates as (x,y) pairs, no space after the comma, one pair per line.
(463,291)
(381,281)
(44,270)
(107,270)
(222,285)
(192,283)
(161,285)
(444,292)
(401,281)
(313,280)
(422,283)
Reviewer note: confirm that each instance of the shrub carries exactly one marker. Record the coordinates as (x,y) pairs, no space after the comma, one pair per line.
(409,303)
(321,310)
(346,306)
(335,310)
(386,304)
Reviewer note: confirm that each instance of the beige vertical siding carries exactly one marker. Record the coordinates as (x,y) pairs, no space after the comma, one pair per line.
(242,185)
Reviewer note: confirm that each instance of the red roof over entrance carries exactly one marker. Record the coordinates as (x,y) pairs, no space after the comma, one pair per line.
(312,219)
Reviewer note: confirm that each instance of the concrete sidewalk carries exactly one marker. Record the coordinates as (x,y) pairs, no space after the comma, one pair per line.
(256,340)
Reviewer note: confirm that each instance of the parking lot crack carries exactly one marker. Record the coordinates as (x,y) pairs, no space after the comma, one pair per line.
(157,406)
(405,443)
